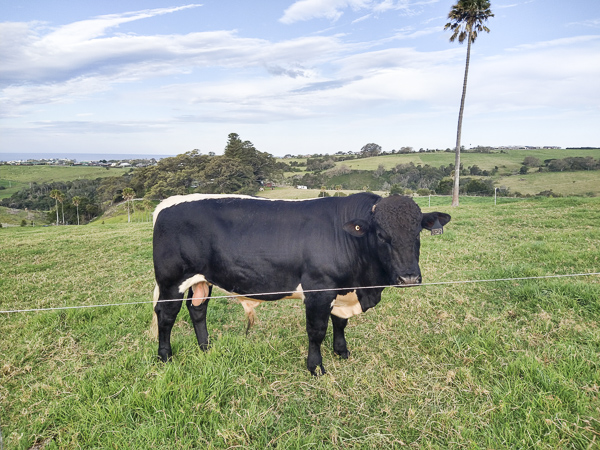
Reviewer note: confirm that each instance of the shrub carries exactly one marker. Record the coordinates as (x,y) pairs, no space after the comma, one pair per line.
(396,189)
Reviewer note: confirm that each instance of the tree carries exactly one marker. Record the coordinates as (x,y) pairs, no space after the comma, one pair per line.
(475,170)
(76,201)
(263,165)
(371,149)
(228,176)
(467,18)
(531,161)
(61,198)
(379,171)
(55,193)
(128,195)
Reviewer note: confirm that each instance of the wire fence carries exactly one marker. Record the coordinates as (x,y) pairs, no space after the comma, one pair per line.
(144,215)
(285,293)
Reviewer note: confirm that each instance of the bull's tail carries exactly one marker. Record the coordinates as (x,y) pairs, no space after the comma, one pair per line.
(154,325)
(249,306)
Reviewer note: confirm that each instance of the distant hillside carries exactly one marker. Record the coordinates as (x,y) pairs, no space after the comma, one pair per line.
(501,169)
(14,178)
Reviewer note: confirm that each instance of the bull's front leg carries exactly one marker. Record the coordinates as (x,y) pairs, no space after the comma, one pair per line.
(339,339)
(166,313)
(318,308)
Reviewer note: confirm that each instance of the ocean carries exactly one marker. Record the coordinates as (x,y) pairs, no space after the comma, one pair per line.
(77,156)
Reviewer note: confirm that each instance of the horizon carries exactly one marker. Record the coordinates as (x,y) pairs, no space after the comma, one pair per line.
(95,157)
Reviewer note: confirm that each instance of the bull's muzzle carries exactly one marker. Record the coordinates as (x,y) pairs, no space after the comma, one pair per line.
(410,280)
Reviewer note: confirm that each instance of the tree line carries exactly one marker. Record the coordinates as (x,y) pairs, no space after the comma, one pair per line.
(242,169)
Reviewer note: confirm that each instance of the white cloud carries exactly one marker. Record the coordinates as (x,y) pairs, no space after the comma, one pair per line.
(49,68)
(593,23)
(303,10)
(320,9)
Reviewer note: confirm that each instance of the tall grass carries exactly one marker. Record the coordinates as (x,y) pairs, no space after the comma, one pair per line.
(493,365)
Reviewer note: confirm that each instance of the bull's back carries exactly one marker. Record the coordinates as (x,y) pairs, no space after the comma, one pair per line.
(242,241)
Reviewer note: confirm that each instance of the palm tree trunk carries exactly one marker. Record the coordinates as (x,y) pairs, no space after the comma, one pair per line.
(56,201)
(458,133)
(77,214)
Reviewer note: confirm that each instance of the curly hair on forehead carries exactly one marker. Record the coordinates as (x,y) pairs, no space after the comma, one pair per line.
(398,211)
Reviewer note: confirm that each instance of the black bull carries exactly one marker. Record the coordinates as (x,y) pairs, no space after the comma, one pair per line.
(306,249)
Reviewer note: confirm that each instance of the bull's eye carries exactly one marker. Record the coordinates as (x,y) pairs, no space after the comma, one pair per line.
(357,227)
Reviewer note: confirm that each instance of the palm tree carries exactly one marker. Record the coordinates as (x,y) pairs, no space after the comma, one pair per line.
(61,198)
(128,195)
(55,194)
(76,201)
(467,19)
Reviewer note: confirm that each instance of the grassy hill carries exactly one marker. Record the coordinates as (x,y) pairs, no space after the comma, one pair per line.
(506,364)
(507,161)
(564,183)
(14,217)
(14,178)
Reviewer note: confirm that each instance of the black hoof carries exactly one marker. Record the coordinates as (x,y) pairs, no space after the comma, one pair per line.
(314,373)
(344,355)
(165,356)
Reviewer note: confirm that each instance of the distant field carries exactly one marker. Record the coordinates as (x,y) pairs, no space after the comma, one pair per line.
(506,162)
(14,178)
(292,193)
(564,183)
(13,217)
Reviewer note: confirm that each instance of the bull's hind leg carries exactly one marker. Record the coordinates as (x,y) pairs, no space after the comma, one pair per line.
(166,313)
(198,313)
(339,339)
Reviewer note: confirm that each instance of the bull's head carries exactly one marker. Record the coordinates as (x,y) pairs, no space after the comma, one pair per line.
(395,227)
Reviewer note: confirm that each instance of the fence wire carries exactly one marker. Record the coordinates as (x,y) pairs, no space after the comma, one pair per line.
(283,293)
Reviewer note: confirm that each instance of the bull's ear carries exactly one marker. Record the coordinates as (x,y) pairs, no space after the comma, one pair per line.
(356,227)
(434,220)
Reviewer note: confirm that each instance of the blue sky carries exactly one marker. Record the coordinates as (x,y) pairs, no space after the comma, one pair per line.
(306,76)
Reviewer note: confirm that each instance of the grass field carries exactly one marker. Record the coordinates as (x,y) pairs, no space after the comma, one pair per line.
(507,162)
(511,364)
(564,183)
(14,178)
(13,217)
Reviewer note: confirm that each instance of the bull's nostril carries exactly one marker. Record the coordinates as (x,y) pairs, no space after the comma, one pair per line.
(410,280)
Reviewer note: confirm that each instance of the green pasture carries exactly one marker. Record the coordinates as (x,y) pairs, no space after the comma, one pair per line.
(564,183)
(14,217)
(507,161)
(14,178)
(506,364)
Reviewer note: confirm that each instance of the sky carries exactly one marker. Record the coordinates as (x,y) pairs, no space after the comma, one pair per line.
(293,77)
